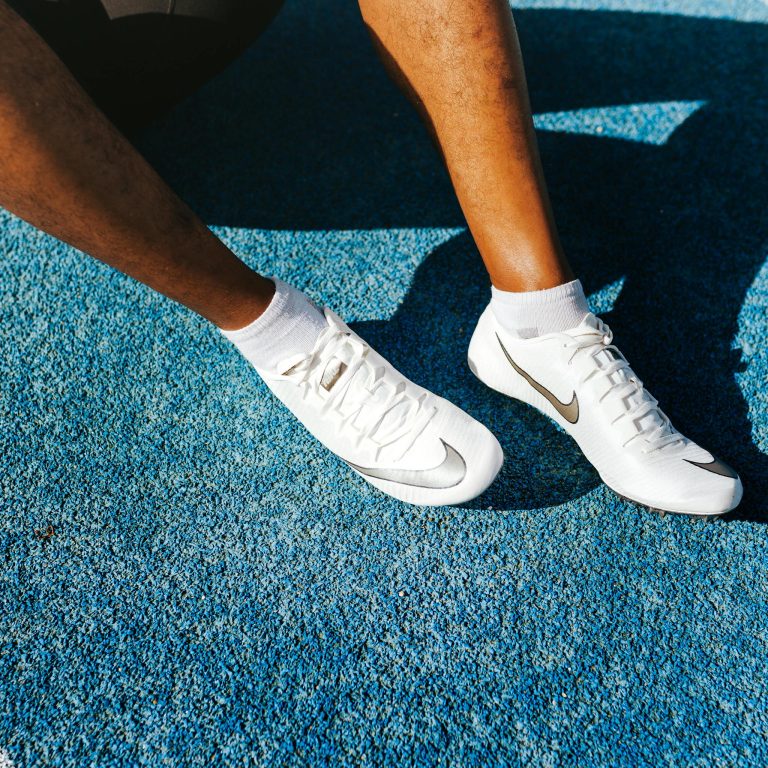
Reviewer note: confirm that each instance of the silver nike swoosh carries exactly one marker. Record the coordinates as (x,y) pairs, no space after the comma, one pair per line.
(569,411)
(717,467)
(449,473)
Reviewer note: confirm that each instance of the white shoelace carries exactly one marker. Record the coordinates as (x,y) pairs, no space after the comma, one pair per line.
(355,392)
(629,390)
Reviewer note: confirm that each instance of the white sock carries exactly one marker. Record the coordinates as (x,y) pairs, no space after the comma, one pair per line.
(290,325)
(534,313)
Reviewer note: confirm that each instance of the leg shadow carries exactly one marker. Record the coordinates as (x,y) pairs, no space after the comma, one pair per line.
(427,340)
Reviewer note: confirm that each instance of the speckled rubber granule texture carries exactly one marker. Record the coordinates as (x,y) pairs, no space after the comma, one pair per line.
(188,580)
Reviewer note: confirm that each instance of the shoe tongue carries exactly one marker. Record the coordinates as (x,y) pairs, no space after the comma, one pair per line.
(287,365)
(336,365)
(332,373)
(590,325)
(342,354)
(589,321)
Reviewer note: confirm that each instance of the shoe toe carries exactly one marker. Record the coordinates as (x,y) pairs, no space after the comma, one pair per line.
(480,450)
(711,486)
(700,484)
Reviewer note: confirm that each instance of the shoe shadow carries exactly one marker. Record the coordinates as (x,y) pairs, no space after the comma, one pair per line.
(306,132)
(427,340)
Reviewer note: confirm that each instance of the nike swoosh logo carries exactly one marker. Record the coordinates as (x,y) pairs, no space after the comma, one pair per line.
(717,467)
(449,473)
(569,411)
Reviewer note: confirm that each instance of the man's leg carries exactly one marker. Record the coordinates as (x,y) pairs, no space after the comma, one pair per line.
(536,341)
(71,173)
(67,170)
(461,63)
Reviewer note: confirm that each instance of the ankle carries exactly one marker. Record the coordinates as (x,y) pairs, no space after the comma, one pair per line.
(535,280)
(248,304)
(290,325)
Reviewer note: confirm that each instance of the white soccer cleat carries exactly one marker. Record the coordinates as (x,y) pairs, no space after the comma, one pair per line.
(582,381)
(401,438)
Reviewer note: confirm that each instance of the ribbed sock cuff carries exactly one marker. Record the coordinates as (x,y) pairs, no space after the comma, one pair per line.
(535,313)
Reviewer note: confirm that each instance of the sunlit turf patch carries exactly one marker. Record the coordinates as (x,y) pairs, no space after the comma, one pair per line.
(741,10)
(651,123)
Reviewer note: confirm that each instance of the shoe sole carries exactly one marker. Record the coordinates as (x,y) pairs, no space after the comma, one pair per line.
(665,512)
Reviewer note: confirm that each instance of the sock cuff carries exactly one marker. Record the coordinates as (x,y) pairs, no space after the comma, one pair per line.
(534,313)
(567,291)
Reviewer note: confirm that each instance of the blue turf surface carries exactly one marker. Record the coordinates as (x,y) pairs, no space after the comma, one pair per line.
(218,591)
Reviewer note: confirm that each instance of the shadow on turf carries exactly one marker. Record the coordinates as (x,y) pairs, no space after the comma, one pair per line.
(306,132)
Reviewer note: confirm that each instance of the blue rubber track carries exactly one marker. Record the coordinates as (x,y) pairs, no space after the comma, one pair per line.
(186,579)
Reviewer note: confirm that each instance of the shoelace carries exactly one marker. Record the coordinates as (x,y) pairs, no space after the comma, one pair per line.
(387,412)
(659,431)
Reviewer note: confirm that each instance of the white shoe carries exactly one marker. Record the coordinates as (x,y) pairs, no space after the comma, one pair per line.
(582,382)
(401,438)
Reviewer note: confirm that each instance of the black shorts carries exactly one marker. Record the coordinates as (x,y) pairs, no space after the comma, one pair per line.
(138,57)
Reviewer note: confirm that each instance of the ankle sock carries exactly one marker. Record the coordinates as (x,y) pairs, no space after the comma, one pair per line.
(290,325)
(534,313)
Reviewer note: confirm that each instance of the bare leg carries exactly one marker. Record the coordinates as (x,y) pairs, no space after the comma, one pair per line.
(71,173)
(461,64)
